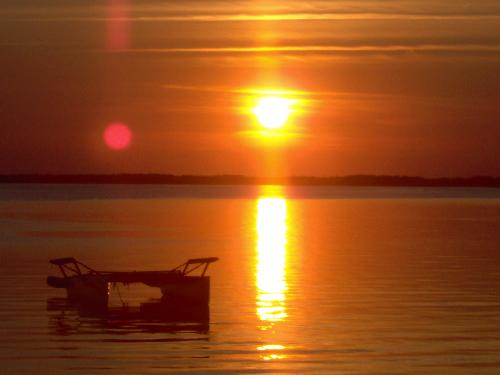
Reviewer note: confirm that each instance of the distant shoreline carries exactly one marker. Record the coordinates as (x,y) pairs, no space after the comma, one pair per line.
(168,179)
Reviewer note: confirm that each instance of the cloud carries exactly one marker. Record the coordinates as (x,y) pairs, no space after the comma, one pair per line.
(328,49)
(247,10)
(262,17)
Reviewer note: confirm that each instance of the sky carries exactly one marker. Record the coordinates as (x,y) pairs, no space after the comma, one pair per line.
(378,87)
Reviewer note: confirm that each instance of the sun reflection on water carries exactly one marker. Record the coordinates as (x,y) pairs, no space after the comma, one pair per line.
(271,259)
(271,352)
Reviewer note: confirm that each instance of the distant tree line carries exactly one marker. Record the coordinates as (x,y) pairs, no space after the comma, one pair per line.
(354,180)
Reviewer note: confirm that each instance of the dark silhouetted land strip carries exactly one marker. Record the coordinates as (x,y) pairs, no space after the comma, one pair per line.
(354,180)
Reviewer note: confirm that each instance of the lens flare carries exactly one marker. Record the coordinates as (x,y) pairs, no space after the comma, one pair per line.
(117,136)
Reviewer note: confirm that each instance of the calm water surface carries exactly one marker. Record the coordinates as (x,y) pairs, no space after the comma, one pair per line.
(310,280)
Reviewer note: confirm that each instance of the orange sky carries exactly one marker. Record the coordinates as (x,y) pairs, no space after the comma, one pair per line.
(381,87)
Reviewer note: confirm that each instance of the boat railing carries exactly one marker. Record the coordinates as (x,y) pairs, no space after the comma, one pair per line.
(72,267)
(193,264)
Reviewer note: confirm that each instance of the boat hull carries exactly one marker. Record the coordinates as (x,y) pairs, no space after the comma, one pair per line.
(92,290)
(187,290)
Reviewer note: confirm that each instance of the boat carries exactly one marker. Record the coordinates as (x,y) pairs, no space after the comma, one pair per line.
(180,286)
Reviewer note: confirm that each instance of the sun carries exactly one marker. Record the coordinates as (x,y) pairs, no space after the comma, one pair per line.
(272,112)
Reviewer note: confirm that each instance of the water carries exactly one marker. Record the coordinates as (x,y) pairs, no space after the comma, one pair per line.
(310,280)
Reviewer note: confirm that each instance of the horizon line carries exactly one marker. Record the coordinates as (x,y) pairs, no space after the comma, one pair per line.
(235,179)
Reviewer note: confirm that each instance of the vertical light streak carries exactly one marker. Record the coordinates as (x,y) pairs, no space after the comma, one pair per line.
(118,24)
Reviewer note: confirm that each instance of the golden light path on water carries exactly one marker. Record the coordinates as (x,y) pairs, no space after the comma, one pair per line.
(271,226)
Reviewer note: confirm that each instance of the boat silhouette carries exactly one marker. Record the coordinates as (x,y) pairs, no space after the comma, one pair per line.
(184,295)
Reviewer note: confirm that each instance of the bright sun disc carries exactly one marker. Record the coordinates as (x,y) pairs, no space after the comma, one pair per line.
(272,112)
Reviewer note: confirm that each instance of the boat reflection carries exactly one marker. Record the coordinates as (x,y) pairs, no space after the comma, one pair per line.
(154,316)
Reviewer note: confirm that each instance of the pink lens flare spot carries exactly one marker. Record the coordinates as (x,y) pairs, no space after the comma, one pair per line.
(117,136)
